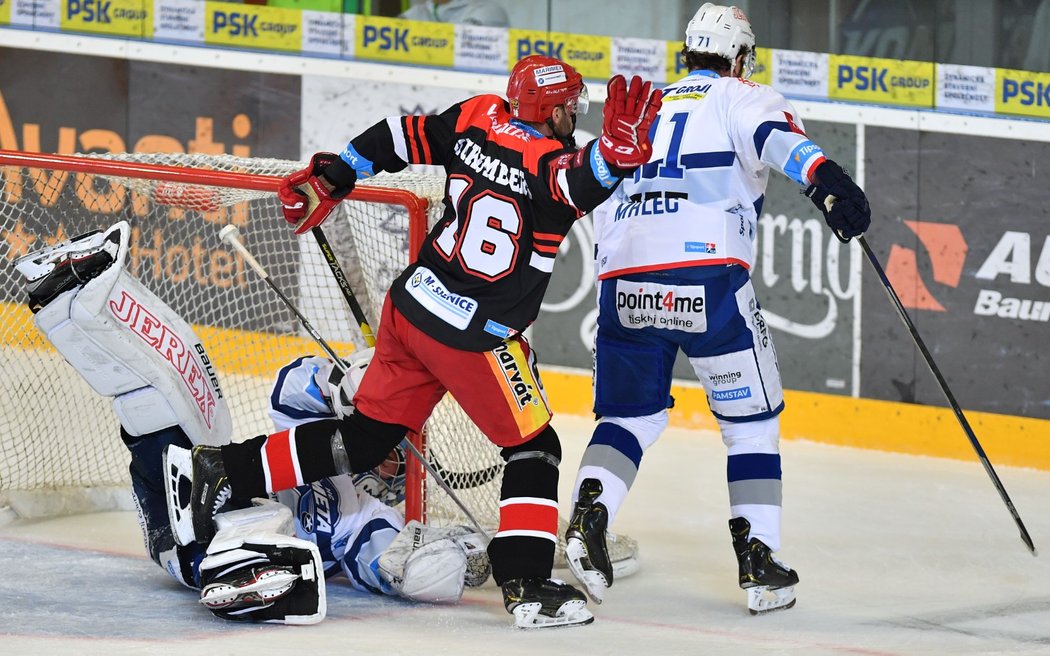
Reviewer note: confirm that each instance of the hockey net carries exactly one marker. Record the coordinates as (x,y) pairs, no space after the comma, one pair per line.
(60,450)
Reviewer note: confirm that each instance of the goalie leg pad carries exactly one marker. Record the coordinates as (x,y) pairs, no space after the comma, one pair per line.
(254,572)
(123,340)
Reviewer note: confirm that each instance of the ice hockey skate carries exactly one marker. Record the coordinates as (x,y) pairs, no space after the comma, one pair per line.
(197,488)
(543,603)
(770,584)
(586,549)
(238,594)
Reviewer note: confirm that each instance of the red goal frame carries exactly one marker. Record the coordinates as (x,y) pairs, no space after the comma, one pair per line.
(415,206)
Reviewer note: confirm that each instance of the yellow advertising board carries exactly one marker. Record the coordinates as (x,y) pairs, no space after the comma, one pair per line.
(251,26)
(763,66)
(881,81)
(112,17)
(589,55)
(5,12)
(406,42)
(1023,93)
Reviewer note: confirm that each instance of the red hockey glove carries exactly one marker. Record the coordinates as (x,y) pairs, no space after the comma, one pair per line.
(306,199)
(627,117)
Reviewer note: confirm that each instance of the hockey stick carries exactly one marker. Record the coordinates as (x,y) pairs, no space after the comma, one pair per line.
(366,332)
(457,480)
(903,314)
(231,235)
(344,286)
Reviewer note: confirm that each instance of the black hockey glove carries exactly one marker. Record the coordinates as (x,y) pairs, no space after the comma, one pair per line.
(847,214)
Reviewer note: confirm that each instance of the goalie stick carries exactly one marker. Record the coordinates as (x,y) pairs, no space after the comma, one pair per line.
(231,235)
(970,435)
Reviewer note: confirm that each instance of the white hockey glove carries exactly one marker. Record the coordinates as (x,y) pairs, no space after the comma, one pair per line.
(431,564)
(256,572)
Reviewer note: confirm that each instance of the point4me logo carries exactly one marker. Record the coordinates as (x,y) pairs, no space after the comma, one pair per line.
(1011,257)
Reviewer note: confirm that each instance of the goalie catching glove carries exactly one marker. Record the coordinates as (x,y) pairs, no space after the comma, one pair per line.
(308,196)
(840,200)
(432,564)
(627,117)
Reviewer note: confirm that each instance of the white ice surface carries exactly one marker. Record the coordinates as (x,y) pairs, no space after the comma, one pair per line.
(896,555)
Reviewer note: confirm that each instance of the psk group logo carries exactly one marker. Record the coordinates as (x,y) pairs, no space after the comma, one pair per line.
(120,17)
(271,28)
(1018,259)
(411,42)
(884,81)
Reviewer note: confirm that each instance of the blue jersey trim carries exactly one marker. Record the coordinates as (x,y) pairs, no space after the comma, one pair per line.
(364,167)
(600,168)
(763,132)
(350,555)
(312,390)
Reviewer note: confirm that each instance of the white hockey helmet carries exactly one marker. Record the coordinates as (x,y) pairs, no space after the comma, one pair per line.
(724,31)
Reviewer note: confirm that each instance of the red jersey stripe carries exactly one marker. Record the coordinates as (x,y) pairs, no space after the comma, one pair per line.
(279,462)
(410,132)
(427,159)
(528,517)
(548,236)
(545,248)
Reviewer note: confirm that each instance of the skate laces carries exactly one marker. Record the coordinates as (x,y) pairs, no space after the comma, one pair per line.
(221,497)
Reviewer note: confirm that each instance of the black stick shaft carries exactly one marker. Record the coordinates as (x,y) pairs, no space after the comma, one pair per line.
(1025,537)
(370,340)
(344,286)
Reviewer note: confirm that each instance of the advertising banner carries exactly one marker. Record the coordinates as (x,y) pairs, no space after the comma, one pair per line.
(966,88)
(240,26)
(973,274)
(800,74)
(180,21)
(111,17)
(481,48)
(97,104)
(644,57)
(1023,93)
(881,81)
(406,42)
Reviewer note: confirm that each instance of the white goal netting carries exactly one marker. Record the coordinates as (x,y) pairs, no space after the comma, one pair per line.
(60,449)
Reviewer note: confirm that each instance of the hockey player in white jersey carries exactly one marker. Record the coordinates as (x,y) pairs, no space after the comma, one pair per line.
(674,248)
(263,564)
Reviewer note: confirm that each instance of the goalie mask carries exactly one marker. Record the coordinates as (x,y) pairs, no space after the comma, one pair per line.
(724,31)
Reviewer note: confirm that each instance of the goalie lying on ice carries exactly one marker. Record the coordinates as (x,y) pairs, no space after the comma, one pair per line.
(268,561)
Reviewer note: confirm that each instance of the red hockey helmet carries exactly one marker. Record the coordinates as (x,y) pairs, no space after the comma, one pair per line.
(538,84)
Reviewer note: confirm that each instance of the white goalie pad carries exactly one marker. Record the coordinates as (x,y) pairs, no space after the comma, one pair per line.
(123,340)
(431,564)
(256,571)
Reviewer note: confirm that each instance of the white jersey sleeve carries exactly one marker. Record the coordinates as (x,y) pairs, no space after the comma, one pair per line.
(768,132)
(697,201)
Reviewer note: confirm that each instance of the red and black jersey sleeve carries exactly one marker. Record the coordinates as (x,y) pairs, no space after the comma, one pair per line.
(397,141)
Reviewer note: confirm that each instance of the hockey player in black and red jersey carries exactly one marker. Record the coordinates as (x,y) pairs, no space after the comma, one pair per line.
(452,321)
